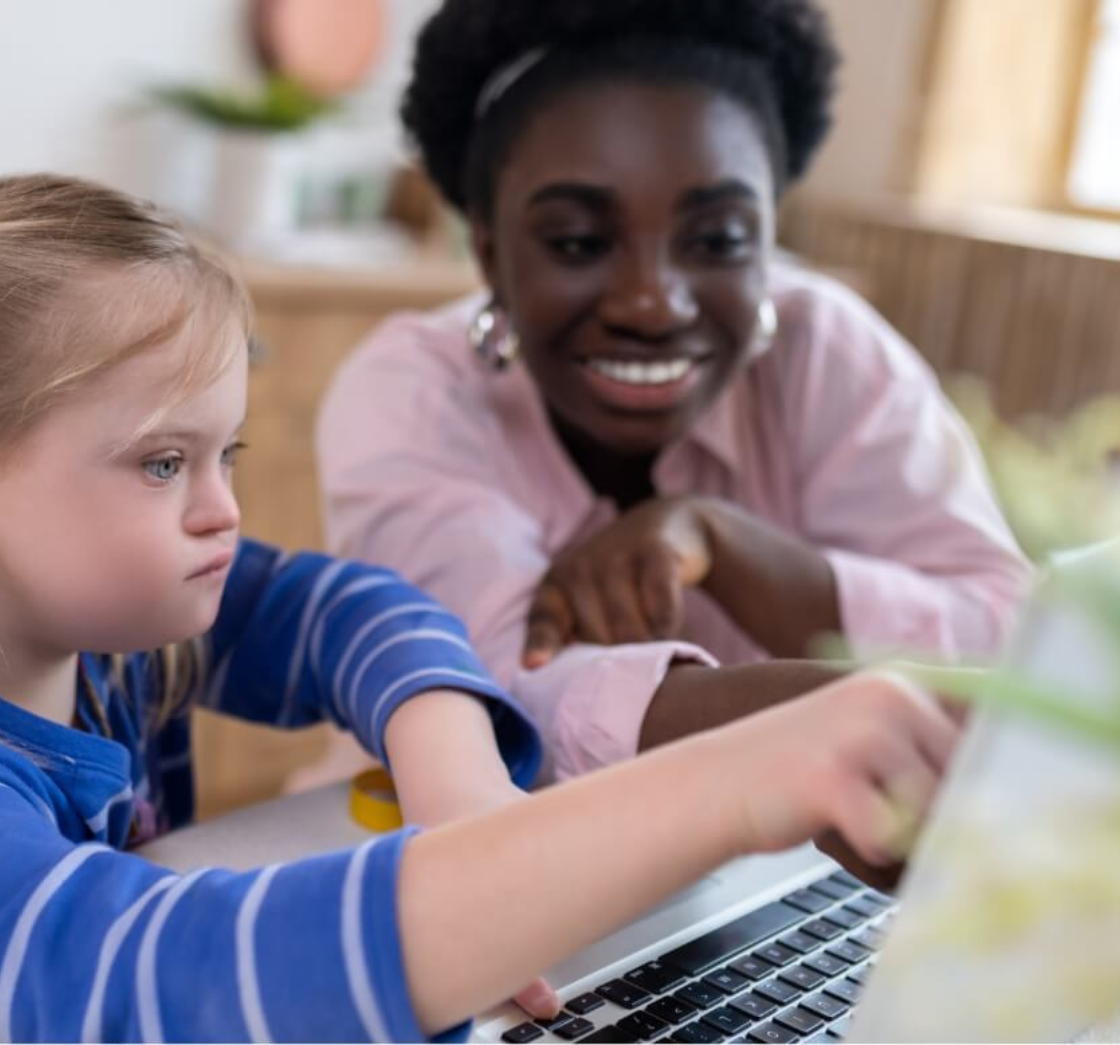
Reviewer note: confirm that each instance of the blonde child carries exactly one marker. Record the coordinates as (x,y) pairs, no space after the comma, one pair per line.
(123,368)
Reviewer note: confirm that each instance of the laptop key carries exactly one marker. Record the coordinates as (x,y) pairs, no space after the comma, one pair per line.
(751,967)
(882,899)
(654,977)
(726,1019)
(859,975)
(671,1010)
(776,954)
(776,990)
(726,980)
(823,963)
(623,993)
(772,1032)
(798,941)
(753,1005)
(802,978)
(607,1033)
(697,1032)
(800,1020)
(585,1003)
(523,1032)
(850,952)
(827,1008)
(844,917)
(821,929)
(722,943)
(844,990)
(869,937)
(809,901)
(833,890)
(863,906)
(642,1025)
(573,1029)
(557,1021)
(701,995)
(844,878)
(610,1034)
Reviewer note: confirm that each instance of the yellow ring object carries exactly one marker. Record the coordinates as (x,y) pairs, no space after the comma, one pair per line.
(373,802)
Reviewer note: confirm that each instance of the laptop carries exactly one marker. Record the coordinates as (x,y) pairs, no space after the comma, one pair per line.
(790,947)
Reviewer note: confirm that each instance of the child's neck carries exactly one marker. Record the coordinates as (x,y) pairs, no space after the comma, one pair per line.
(45,686)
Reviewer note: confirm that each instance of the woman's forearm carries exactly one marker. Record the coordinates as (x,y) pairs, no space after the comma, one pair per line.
(527,884)
(693,697)
(780,590)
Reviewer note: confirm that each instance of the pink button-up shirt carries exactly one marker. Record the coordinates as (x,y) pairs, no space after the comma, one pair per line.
(451,473)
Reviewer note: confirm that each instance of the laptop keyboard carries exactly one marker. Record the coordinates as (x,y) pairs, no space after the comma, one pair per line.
(788,971)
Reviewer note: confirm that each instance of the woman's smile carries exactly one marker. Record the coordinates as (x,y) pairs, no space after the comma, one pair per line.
(632,385)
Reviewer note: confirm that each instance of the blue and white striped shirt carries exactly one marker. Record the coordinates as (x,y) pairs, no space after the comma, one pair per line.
(98,944)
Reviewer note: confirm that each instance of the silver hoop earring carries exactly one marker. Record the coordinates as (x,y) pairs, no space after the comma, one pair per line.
(492,339)
(765,328)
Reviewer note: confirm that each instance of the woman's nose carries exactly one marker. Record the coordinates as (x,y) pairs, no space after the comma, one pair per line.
(649,296)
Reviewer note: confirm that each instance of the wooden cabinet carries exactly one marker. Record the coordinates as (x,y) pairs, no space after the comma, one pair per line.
(308,322)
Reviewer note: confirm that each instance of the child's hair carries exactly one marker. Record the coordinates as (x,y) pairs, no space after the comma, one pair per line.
(90,277)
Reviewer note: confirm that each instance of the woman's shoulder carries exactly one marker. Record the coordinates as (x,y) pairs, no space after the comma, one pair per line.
(825,325)
(420,341)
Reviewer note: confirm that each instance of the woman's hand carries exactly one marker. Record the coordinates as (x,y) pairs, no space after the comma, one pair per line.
(624,584)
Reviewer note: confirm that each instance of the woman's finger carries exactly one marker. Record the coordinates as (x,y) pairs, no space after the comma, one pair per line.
(661,595)
(549,627)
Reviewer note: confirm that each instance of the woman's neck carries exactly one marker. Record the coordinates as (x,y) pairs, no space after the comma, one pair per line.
(45,686)
(627,479)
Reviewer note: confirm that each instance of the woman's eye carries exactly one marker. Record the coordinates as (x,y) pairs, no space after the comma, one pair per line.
(229,454)
(578,248)
(724,243)
(164,469)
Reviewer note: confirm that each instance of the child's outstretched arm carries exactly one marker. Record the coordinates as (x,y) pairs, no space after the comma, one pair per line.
(533,882)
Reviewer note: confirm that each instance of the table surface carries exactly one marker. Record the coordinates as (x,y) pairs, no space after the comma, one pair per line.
(285,828)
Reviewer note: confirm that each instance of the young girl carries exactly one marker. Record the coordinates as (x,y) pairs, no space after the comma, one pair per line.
(123,355)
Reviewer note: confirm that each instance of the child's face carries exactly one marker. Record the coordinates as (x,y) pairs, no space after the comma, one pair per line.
(112,550)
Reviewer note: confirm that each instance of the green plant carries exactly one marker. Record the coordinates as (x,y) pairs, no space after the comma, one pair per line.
(280,105)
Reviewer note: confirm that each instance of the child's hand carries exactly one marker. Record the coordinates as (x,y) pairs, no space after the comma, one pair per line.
(862,757)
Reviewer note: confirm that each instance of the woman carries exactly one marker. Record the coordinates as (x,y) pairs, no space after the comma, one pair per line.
(667,450)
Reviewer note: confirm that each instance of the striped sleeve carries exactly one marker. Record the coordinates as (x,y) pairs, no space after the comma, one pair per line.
(303,637)
(99,945)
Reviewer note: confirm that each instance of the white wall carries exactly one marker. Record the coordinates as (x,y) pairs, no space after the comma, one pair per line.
(70,70)
(884,46)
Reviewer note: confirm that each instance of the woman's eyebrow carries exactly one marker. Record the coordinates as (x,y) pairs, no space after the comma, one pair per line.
(592,196)
(720,192)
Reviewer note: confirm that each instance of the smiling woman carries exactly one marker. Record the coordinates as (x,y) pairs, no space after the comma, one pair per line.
(700,457)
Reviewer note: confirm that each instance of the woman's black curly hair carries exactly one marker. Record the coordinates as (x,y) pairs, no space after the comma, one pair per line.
(775,56)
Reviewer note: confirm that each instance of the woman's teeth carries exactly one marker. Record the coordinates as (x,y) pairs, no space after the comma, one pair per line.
(641,373)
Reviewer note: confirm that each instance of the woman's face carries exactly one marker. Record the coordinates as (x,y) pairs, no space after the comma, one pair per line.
(629,242)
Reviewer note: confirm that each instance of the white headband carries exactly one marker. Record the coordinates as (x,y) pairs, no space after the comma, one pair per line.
(505,77)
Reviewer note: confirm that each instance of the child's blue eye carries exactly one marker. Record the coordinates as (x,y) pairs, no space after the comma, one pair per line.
(229,454)
(164,469)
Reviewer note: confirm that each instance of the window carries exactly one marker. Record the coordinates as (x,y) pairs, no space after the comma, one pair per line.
(1094,175)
